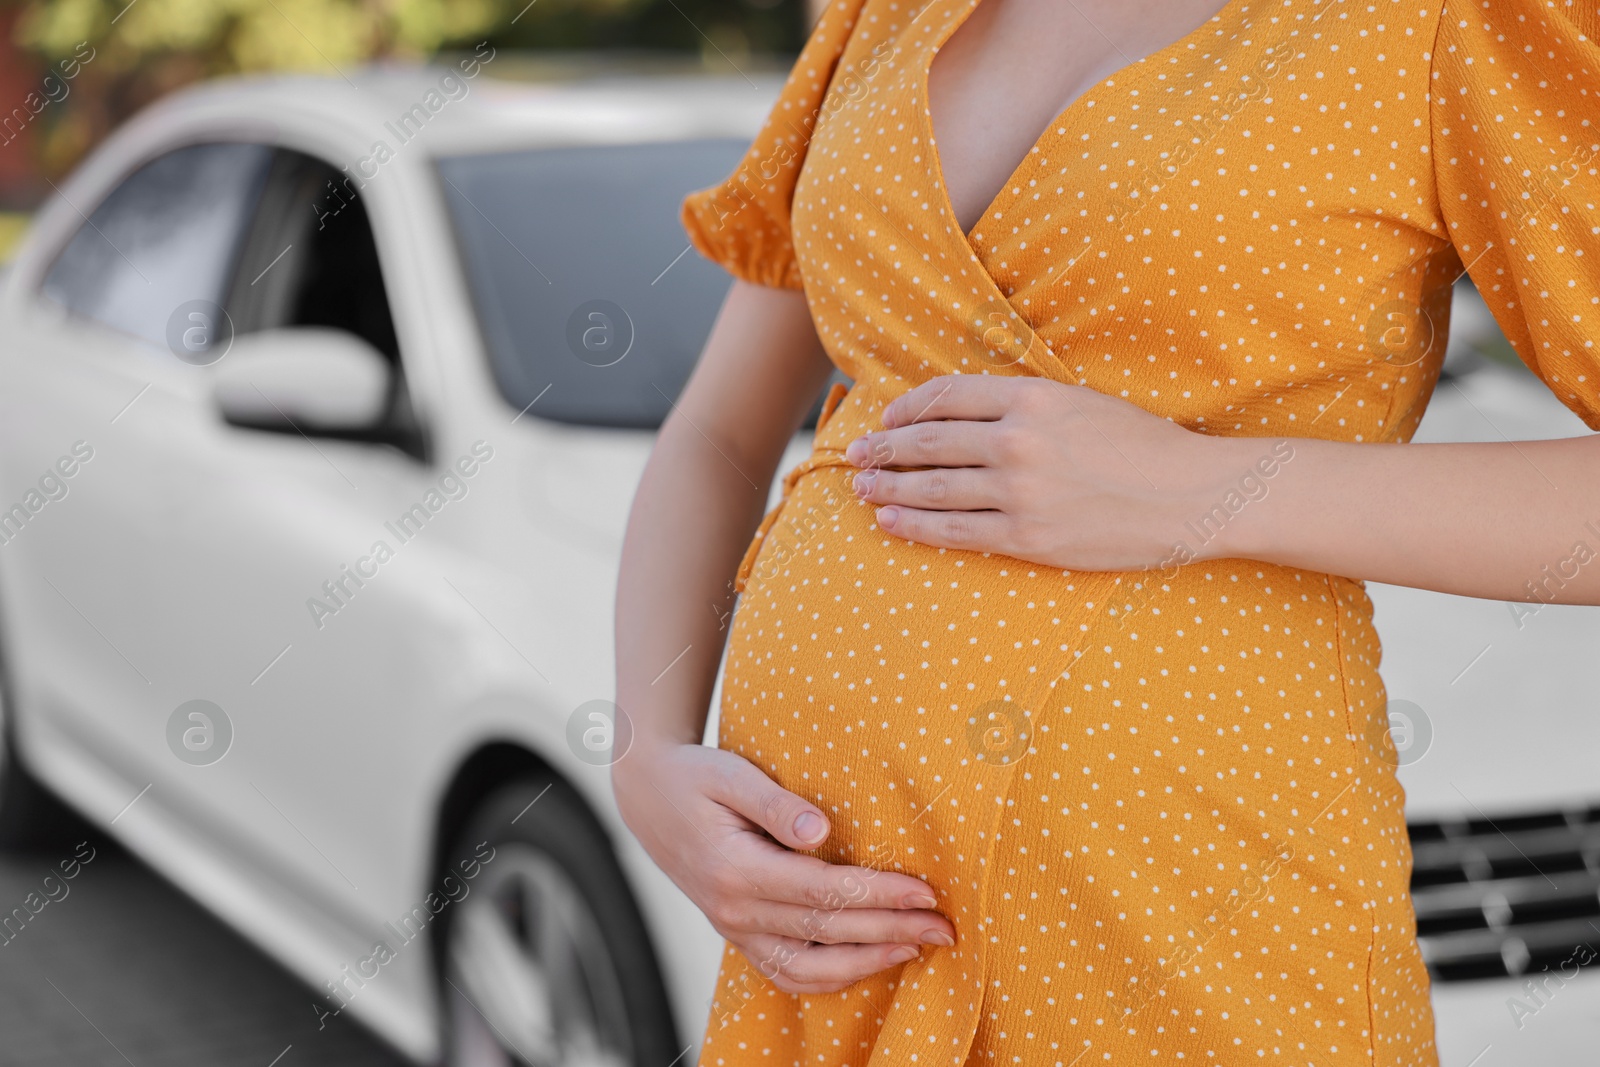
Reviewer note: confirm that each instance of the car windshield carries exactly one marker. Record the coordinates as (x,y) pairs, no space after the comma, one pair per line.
(592,305)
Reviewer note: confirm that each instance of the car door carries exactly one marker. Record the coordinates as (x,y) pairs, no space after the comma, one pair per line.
(309,546)
(95,394)
(243,666)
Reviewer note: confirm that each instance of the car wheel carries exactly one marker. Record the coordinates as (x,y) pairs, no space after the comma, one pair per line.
(546,961)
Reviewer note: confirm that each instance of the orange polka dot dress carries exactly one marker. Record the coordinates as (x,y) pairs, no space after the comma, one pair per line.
(1159,807)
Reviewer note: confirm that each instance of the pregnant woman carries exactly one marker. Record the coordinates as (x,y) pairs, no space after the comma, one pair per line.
(1051,728)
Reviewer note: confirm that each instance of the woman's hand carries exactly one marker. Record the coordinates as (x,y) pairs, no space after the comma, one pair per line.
(705,817)
(1047,472)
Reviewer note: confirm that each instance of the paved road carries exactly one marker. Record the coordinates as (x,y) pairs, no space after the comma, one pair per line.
(124,970)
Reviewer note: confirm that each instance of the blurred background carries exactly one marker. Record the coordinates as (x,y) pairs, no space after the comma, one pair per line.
(113,964)
(279,769)
(148,48)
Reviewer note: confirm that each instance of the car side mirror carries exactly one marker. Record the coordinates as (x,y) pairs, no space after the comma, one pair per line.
(303,378)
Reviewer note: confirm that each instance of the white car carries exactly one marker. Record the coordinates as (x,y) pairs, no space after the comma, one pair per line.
(312,490)
(315,458)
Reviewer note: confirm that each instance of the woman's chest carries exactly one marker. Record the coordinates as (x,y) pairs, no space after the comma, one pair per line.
(1227,214)
(1009,68)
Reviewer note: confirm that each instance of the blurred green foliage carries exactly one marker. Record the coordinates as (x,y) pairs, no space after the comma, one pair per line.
(146,48)
(733,27)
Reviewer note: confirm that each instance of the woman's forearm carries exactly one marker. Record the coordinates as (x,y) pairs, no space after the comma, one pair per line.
(690,521)
(1504,521)
(1065,476)
(700,499)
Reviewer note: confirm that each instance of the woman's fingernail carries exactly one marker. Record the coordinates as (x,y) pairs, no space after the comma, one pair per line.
(809,827)
(903,953)
(918,900)
(937,937)
(863,482)
(856,451)
(887,516)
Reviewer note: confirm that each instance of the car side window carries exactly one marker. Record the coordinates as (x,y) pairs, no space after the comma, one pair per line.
(310,258)
(168,235)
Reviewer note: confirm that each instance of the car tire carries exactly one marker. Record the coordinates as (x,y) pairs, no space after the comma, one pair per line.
(544,958)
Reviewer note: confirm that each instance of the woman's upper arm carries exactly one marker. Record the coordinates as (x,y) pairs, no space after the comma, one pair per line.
(762,369)
(1516,156)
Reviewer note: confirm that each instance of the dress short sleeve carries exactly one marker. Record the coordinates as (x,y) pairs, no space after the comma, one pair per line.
(742,222)
(1516,154)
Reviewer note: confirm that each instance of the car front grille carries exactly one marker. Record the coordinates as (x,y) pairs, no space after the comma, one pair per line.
(1507,896)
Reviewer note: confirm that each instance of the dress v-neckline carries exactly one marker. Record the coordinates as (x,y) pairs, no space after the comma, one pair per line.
(925,69)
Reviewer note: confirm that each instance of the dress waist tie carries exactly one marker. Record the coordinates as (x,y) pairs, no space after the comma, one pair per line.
(820,457)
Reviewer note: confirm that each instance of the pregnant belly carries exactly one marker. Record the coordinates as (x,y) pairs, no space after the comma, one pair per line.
(911,691)
(1123,780)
